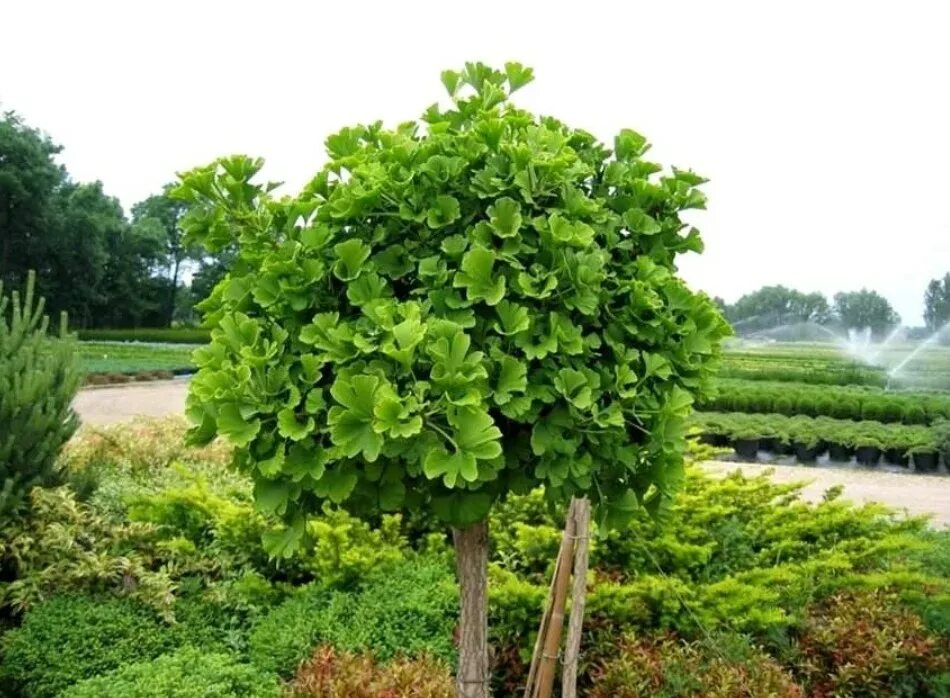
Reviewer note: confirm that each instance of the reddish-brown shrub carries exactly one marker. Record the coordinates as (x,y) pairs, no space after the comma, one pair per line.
(869,645)
(332,674)
(670,668)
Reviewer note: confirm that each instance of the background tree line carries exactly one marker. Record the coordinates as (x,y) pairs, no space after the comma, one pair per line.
(103,268)
(109,270)
(777,306)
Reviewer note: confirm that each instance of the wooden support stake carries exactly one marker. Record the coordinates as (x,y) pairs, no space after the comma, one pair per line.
(572,648)
(547,663)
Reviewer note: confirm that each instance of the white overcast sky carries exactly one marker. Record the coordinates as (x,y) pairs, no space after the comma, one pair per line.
(824,126)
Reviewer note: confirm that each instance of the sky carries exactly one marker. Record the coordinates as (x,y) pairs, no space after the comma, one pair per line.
(824,127)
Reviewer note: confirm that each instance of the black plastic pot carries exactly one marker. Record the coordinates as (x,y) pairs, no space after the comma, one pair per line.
(804,453)
(783,448)
(896,456)
(925,462)
(767,443)
(747,449)
(840,453)
(868,455)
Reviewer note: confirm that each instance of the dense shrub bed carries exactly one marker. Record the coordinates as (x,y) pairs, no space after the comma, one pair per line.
(809,437)
(148,574)
(842,402)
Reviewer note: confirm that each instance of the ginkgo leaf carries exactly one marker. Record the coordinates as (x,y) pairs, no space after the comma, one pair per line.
(351,426)
(365,289)
(505,217)
(638,221)
(289,426)
(476,276)
(512,378)
(573,385)
(235,427)
(350,257)
(444,212)
(518,75)
(512,318)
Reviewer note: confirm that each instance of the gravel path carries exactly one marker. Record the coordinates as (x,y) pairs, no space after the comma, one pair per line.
(918,494)
(98,406)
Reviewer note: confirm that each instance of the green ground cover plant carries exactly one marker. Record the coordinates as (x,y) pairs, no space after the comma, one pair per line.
(134,357)
(771,579)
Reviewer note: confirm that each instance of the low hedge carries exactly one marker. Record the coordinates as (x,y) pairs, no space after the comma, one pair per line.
(187,673)
(842,402)
(818,432)
(165,335)
(71,638)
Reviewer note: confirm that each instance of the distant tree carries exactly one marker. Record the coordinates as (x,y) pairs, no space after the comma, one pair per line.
(773,306)
(937,303)
(87,260)
(864,308)
(29,182)
(167,212)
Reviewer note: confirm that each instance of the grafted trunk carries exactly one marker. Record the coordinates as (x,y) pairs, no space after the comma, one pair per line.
(471,556)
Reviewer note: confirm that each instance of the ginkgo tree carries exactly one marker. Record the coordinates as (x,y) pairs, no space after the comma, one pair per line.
(479,302)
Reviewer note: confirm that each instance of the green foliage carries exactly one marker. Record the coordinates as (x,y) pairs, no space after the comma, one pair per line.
(106,357)
(187,673)
(405,609)
(845,402)
(68,639)
(774,306)
(721,667)
(479,302)
(736,554)
(865,308)
(164,335)
(867,645)
(937,303)
(66,545)
(332,673)
(38,380)
(809,431)
(802,366)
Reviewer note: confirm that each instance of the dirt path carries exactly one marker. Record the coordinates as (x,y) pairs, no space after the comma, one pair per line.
(918,494)
(98,406)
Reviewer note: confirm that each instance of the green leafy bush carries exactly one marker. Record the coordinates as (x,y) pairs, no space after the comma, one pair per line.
(71,638)
(67,546)
(868,645)
(188,673)
(407,609)
(332,673)
(483,293)
(722,667)
(38,380)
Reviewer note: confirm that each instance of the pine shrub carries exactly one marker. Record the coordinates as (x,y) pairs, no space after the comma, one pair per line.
(38,380)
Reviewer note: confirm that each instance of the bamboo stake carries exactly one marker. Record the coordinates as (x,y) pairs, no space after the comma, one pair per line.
(552,637)
(529,688)
(572,646)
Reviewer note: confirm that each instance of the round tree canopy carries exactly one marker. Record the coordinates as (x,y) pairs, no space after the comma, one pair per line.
(479,302)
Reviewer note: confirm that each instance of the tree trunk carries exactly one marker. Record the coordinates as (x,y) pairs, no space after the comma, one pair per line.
(572,648)
(173,293)
(471,555)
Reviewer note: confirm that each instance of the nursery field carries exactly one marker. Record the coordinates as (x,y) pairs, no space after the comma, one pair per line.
(117,357)
(147,571)
(811,403)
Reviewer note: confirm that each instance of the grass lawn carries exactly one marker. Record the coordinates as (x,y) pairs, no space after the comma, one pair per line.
(129,357)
